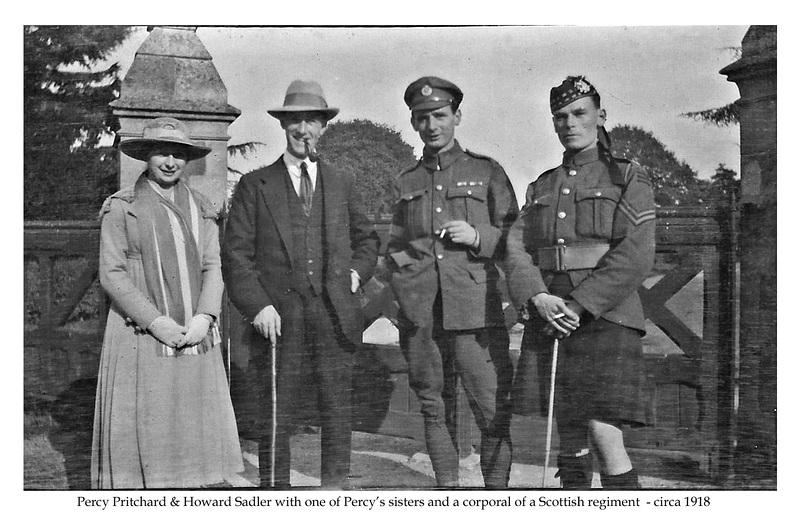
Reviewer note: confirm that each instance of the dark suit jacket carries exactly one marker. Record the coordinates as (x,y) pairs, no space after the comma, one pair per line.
(257,255)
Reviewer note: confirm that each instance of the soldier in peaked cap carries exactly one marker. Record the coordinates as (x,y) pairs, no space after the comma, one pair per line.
(577,255)
(297,247)
(451,216)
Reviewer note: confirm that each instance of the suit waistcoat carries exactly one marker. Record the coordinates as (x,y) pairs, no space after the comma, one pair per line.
(307,238)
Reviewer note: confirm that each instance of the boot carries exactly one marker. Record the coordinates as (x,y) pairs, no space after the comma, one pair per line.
(625,481)
(575,472)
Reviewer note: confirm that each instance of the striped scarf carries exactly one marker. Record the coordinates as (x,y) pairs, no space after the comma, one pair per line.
(171,257)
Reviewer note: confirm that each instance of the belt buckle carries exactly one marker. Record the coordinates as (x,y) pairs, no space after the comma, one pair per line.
(561,255)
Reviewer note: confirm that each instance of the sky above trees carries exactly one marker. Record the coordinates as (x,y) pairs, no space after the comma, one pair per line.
(648,76)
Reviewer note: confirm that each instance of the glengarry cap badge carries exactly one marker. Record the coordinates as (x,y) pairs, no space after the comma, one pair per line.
(571,89)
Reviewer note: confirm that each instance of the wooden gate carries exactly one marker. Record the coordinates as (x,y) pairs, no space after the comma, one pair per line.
(690,348)
(65,308)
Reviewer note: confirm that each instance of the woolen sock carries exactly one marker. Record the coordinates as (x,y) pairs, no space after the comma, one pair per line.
(625,481)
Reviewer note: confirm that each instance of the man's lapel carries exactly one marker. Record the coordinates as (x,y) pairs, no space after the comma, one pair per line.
(275,195)
(333,196)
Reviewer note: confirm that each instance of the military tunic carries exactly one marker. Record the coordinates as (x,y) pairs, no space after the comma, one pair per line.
(586,202)
(451,318)
(597,215)
(456,185)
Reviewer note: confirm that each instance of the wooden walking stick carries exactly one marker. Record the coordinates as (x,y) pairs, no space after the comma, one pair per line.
(550,409)
(274,378)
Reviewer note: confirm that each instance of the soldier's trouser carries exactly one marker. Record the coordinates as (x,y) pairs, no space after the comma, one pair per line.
(480,357)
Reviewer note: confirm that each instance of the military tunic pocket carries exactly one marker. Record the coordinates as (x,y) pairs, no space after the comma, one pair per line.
(468,202)
(417,212)
(594,210)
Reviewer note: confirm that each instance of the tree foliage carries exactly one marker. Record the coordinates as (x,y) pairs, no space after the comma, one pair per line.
(675,183)
(723,185)
(721,116)
(243,151)
(726,115)
(67,169)
(374,153)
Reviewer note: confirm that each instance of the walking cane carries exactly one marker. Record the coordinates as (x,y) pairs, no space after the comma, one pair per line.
(273,355)
(550,410)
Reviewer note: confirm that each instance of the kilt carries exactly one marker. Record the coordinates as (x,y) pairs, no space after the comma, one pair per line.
(599,375)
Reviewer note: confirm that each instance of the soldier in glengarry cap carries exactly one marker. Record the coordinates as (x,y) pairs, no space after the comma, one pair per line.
(577,254)
(451,214)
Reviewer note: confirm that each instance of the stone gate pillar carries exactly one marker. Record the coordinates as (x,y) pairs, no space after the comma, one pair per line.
(756,76)
(173,75)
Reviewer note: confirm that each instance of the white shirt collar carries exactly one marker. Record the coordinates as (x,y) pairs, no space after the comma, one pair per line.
(293,166)
(292,161)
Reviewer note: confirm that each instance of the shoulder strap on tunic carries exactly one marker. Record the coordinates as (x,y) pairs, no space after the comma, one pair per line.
(617,167)
(410,168)
(478,155)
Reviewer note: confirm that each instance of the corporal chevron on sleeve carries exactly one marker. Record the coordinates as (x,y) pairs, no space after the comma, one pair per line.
(635,216)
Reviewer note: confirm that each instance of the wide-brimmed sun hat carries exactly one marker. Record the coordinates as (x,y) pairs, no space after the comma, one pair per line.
(159,132)
(304,96)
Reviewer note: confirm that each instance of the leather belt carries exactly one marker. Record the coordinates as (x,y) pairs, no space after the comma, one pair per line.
(564,258)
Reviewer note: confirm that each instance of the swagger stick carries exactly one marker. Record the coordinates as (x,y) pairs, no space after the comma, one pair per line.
(273,355)
(550,410)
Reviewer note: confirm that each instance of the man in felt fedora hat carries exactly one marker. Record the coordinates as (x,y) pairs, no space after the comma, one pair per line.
(297,247)
(304,96)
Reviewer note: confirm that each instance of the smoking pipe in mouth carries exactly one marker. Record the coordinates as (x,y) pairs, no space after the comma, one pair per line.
(311,153)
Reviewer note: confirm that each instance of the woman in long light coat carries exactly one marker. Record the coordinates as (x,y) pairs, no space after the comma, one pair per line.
(163,413)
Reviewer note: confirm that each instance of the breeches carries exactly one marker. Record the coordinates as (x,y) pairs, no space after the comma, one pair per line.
(479,357)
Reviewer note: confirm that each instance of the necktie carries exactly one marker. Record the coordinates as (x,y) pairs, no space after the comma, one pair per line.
(306,191)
